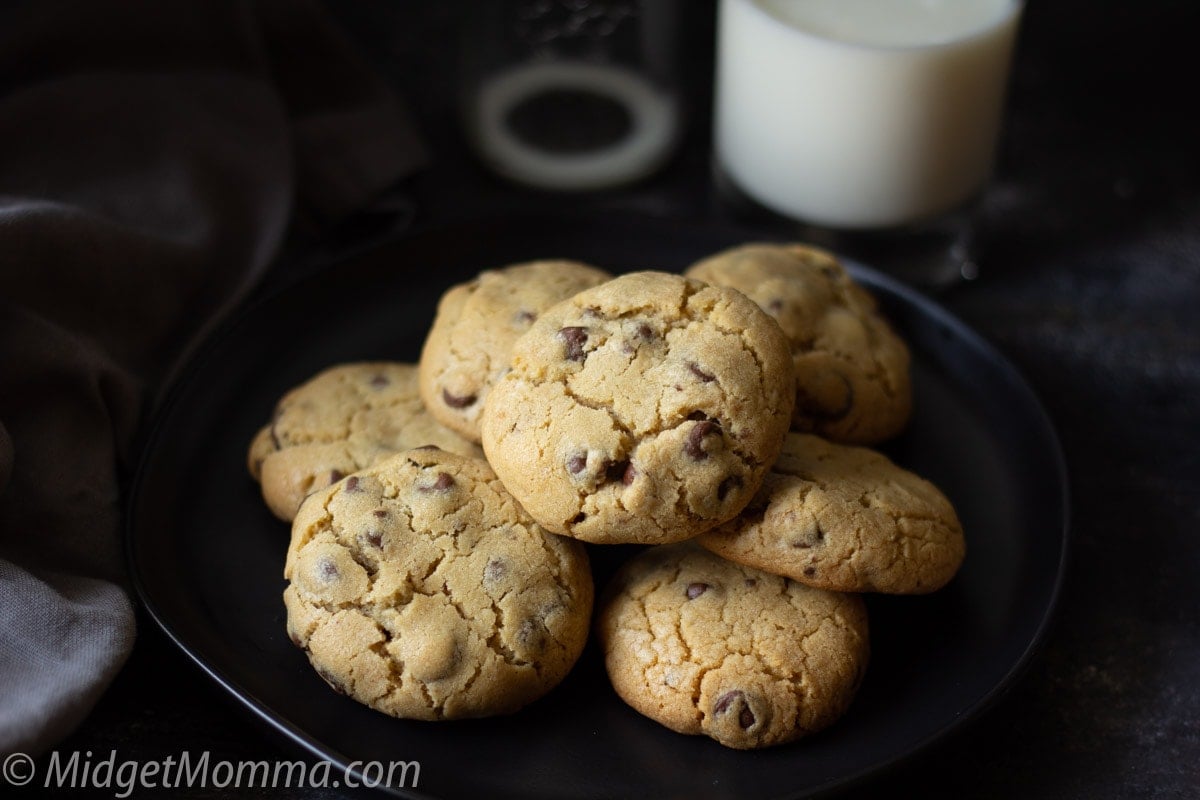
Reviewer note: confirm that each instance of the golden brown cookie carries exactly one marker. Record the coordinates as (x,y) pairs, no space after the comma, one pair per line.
(846,519)
(705,646)
(420,588)
(467,349)
(852,370)
(644,410)
(345,418)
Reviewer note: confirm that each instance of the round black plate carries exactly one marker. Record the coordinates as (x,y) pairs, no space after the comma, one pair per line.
(208,558)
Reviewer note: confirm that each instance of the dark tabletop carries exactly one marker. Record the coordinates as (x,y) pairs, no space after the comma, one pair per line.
(1090,284)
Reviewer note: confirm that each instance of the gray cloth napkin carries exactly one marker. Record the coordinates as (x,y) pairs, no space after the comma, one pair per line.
(154,157)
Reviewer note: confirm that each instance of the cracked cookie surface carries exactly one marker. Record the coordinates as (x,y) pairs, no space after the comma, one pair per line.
(705,646)
(644,410)
(342,420)
(420,588)
(847,519)
(852,370)
(468,347)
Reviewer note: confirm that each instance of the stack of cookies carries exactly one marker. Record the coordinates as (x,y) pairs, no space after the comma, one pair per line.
(716,417)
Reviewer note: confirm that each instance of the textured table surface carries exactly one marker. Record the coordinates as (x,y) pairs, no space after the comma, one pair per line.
(1090,284)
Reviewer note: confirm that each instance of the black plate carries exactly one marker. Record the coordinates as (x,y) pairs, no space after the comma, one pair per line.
(208,557)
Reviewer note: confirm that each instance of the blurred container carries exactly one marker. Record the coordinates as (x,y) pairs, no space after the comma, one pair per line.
(571,95)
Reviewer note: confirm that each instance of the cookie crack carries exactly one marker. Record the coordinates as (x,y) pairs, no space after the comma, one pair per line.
(597,406)
(449,597)
(431,568)
(433,704)
(749,348)
(490,373)
(470,681)
(681,504)
(499,647)
(328,605)
(557,569)
(626,434)
(875,325)
(395,666)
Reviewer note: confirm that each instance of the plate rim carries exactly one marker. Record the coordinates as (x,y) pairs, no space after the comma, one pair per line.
(182,375)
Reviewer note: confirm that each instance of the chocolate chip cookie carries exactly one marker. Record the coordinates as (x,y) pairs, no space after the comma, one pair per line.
(705,646)
(647,410)
(852,370)
(468,348)
(345,418)
(847,519)
(419,587)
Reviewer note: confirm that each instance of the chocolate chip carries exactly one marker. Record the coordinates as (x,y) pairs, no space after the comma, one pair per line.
(336,475)
(532,634)
(727,485)
(775,306)
(495,570)
(327,569)
(810,571)
(726,702)
(549,609)
(694,445)
(616,470)
(706,377)
(524,317)
(352,484)
(751,582)
(380,512)
(440,484)
(577,463)
(630,474)
(746,718)
(457,401)
(694,590)
(644,333)
(574,338)
(809,538)
(379,381)
(374,538)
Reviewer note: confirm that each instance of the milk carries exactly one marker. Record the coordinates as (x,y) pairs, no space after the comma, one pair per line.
(859,114)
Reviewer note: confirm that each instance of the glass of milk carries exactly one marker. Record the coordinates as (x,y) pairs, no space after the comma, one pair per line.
(571,95)
(872,123)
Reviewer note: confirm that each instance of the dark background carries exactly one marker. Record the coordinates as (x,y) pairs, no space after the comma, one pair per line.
(1090,284)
